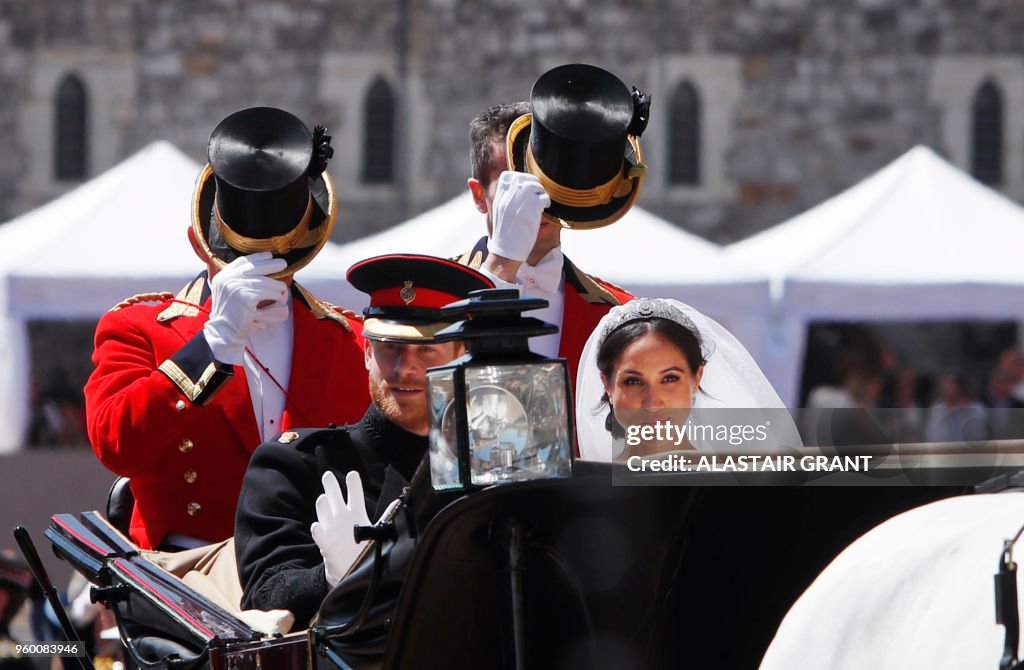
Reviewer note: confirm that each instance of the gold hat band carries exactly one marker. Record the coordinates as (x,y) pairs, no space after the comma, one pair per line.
(632,179)
(297,238)
(616,187)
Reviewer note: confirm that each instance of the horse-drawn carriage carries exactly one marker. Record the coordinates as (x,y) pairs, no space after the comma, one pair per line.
(558,573)
(520,576)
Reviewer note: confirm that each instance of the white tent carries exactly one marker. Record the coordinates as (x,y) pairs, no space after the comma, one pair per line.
(124,230)
(118,234)
(918,240)
(641,252)
(80,254)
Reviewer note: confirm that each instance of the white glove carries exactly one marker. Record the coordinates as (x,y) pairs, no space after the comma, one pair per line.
(334,529)
(519,201)
(237,290)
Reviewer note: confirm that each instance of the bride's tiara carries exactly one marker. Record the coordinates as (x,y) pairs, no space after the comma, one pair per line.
(649,308)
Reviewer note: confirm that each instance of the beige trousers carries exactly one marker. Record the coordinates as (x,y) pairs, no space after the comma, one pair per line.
(213,572)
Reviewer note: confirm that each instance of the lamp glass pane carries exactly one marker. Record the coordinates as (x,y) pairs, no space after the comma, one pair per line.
(444,459)
(518,422)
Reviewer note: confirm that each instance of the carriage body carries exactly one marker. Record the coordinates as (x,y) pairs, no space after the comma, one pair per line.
(679,558)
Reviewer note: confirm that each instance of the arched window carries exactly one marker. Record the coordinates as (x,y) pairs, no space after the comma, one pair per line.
(987,134)
(71,141)
(379,134)
(684,136)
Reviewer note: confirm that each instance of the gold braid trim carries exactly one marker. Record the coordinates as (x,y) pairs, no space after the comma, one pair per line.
(297,238)
(191,389)
(347,313)
(593,292)
(189,296)
(324,310)
(601,194)
(142,297)
(472,259)
(619,186)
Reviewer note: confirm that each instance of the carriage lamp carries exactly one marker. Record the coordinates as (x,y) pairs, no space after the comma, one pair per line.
(500,413)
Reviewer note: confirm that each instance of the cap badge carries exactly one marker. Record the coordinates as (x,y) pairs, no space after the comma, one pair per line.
(408,293)
(288,437)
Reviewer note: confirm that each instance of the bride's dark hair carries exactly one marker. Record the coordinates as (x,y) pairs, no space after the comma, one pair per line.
(684,339)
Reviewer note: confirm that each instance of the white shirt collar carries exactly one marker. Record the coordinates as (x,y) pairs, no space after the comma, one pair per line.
(545,275)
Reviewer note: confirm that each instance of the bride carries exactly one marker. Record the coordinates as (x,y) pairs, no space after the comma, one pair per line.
(653,367)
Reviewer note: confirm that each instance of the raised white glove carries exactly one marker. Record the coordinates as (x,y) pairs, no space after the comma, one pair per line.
(519,201)
(237,291)
(334,529)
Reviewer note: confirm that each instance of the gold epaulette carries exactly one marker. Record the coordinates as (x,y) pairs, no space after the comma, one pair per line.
(605,282)
(142,297)
(471,259)
(592,289)
(347,313)
(324,310)
(186,301)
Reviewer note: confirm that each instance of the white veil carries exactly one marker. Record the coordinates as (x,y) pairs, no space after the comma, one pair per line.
(732,380)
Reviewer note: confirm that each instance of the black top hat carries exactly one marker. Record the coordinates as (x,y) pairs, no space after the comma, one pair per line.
(264,189)
(582,143)
(407,292)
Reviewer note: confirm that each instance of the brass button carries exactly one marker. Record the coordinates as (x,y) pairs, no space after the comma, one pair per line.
(191,476)
(193,509)
(185,446)
(180,405)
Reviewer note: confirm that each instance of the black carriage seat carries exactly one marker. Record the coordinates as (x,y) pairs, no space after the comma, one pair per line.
(120,503)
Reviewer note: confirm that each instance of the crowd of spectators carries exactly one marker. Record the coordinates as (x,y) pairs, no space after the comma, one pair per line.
(58,414)
(886,401)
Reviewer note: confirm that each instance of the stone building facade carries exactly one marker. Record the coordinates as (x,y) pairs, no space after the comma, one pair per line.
(762,108)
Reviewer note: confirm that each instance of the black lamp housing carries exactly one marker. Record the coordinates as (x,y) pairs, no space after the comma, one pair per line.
(500,413)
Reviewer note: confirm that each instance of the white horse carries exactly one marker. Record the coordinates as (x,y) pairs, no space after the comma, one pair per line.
(916,592)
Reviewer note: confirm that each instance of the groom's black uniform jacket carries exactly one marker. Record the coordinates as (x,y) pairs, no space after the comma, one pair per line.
(278,562)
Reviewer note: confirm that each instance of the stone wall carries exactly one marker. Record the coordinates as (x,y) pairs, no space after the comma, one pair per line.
(827,93)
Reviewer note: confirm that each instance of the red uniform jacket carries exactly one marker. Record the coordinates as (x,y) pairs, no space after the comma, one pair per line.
(587,300)
(161,411)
